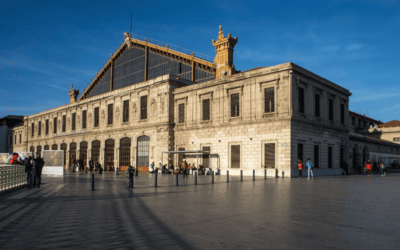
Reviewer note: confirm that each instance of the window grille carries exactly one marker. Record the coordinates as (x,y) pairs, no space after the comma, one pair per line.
(109,159)
(316,156)
(46,147)
(64,119)
(32,150)
(329,157)
(234,105)
(126,111)
(143,151)
(103,85)
(269,154)
(73,126)
(55,125)
(32,129)
(181,113)
(38,151)
(96,116)
(95,151)
(181,156)
(330,109)
(129,68)
(396,139)
(342,113)
(317,105)
(47,126)
(301,100)
(72,154)
(63,147)
(235,156)
(206,109)
(143,107)
(39,128)
(110,114)
(206,156)
(300,151)
(20,136)
(125,153)
(54,147)
(269,99)
(84,119)
(83,154)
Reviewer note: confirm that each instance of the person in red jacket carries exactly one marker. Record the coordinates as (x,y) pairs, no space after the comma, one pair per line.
(368,166)
(14,159)
(300,166)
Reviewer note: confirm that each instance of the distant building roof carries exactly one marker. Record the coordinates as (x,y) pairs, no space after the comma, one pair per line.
(392,123)
(352,113)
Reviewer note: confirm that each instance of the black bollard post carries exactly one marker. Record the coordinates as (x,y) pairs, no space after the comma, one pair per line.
(227,175)
(265,174)
(195,178)
(254,175)
(212,177)
(177,178)
(92,181)
(136,172)
(155,179)
(241,175)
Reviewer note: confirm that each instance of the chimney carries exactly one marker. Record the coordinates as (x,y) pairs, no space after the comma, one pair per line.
(224,54)
(73,94)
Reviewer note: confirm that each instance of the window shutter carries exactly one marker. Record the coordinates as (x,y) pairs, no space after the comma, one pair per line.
(206,110)
(143,107)
(181,113)
(269,96)
(126,111)
(235,156)
(39,127)
(84,119)
(63,123)
(96,117)
(110,114)
(55,125)
(269,154)
(73,121)
(234,105)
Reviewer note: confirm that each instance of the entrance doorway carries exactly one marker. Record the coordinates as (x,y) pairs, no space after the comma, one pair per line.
(125,154)
(83,155)
(143,153)
(63,147)
(72,154)
(109,159)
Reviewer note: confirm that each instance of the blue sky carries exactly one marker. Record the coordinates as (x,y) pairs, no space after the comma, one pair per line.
(47,45)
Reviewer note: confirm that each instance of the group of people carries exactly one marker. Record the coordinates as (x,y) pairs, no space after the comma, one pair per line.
(184,166)
(368,167)
(309,165)
(78,165)
(33,170)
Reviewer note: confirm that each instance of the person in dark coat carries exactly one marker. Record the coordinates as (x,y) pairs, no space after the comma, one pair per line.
(39,168)
(28,171)
(35,169)
(131,173)
(91,165)
(100,168)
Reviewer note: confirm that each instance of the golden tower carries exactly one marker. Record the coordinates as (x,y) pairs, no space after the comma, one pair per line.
(73,94)
(224,54)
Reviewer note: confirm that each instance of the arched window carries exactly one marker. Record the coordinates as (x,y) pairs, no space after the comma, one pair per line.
(143,153)
(46,147)
(83,154)
(109,159)
(72,154)
(125,153)
(32,150)
(64,148)
(38,151)
(95,151)
(54,147)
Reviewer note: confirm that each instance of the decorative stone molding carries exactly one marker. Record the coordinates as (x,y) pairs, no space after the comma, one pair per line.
(153,107)
(117,114)
(103,117)
(134,110)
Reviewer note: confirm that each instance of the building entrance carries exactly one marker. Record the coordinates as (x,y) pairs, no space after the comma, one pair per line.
(143,153)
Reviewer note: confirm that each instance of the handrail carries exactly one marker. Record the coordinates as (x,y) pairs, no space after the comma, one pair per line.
(12,176)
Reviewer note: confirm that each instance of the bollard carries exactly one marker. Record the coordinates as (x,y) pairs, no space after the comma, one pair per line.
(241,175)
(195,178)
(265,174)
(177,178)
(92,181)
(254,175)
(155,178)
(136,172)
(227,175)
(212,177)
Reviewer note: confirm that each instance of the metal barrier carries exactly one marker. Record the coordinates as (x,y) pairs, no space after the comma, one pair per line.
(12,176)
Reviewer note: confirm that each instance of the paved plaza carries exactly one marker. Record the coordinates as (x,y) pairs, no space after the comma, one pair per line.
(343,212)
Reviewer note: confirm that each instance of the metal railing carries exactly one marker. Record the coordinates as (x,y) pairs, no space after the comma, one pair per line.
(12,176)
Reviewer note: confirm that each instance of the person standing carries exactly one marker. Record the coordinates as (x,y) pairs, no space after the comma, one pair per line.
(35,167)
(91,165)
(300,167)
(310,166)
(184,168)
(382,168)
(131,173)
(28,171)
(368,167)
(39,169)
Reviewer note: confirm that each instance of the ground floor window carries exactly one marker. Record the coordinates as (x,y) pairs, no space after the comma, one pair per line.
(269,155)
(95,151)
(38,151)
(54,147)
(330,158)
(32,150)
(109,155)
(143,153)
(46,147)
(300,151)
(83,154)
(63,147)
(235,156)
(72,154)
(125,153)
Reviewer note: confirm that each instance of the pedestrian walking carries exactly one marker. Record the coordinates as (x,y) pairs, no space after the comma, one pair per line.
(382,168)
(28,171)
(38,174)
(35,168)
(184,168)
(310,166)
(91,165)
(151,170)
(300,167)
(131,173)
(368,167)
(100,168)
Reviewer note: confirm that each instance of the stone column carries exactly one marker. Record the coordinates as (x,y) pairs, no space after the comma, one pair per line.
(67,158)
(116,158)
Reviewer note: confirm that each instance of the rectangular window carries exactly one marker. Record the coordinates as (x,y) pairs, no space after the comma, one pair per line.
(143,107)
(359,123)
(353,121)
(235,156)
(365,124)
(32,129)
(330,109)
(47,126)
(110,110)
(20,138)
(396,139)
(84,119)
(126,111)
(301,100)
(269,99)
(64,120)
(329,157)
(206,110)
(234,105)
(206,157)
(73,126)
(342,113)
(317,105)
(181,118)
(300,151)
(39,128)
(316,156)
(269,155)
(55,125)
(96,116)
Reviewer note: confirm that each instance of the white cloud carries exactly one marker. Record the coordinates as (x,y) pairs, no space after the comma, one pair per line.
(354,46)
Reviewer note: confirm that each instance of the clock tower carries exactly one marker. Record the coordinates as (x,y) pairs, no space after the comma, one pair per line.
(224,54)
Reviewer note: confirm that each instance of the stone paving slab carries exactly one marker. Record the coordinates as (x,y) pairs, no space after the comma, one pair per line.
(345,212)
